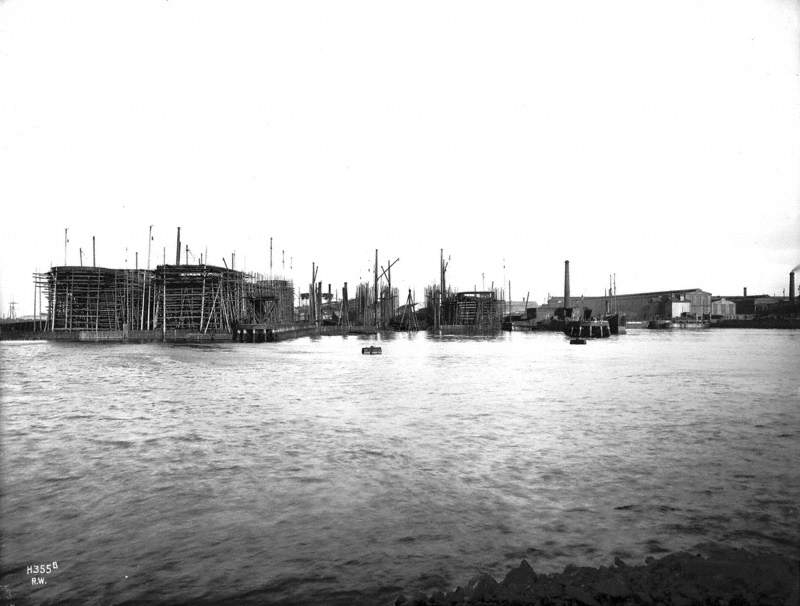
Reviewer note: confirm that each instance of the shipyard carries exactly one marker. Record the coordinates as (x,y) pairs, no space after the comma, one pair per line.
(399,304)
(196,302)
(319,350)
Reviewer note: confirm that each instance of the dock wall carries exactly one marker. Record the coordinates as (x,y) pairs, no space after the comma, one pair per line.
(246,335)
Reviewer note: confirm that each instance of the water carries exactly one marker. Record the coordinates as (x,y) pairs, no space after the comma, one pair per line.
(305,472)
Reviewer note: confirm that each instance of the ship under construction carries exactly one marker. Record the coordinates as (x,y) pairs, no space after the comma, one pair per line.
(171,302)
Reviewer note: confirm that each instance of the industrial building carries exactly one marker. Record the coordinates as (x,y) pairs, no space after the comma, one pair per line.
(639,307)
(750,306)
(723,308)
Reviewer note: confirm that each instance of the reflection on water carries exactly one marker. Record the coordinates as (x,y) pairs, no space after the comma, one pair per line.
(303,470)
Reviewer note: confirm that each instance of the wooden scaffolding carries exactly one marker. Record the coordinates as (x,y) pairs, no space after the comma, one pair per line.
(92,298)
(198,298)
(478,309)
(193,298)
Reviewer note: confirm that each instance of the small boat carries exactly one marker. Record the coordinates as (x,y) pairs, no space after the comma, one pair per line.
(372,350)
(577,341)
(687,323)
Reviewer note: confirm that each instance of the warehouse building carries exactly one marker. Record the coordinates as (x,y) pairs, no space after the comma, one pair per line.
(640,307)
(723,309)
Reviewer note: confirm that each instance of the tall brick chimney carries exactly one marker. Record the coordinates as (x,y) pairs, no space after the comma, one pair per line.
(791,287)
(566,284)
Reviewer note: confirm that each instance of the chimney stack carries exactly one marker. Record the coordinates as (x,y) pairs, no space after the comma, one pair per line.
(566,284)
(745,291)
(791,287)
(178,249)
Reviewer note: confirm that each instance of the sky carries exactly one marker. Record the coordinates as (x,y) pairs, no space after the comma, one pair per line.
(657,140)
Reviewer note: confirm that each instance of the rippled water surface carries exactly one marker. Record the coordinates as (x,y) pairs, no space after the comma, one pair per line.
(305,472)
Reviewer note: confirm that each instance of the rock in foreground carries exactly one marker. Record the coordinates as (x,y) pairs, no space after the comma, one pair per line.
(723,576)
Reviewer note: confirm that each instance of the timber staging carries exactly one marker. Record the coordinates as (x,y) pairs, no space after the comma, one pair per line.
(191,298)
(179,303)
(194,303)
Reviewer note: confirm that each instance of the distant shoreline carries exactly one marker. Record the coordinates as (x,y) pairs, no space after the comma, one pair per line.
(116,336)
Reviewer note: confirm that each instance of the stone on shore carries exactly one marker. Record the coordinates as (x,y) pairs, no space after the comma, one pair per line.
(721,576)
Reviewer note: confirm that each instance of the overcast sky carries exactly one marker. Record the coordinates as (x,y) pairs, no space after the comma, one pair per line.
(656,140)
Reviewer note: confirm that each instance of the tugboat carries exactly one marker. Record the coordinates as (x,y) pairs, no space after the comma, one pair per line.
(585,327)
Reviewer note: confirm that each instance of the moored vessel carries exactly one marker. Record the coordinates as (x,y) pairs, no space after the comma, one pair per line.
(617,323)
(588,329)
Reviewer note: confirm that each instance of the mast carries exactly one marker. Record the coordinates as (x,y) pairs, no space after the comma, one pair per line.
(441,285)
(616,309)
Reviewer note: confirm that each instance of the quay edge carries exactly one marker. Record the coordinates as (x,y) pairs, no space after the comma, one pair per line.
(242,335)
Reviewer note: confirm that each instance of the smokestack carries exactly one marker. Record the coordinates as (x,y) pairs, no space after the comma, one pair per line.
(791,287)
(178,249)
(745,291)
(566,284)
